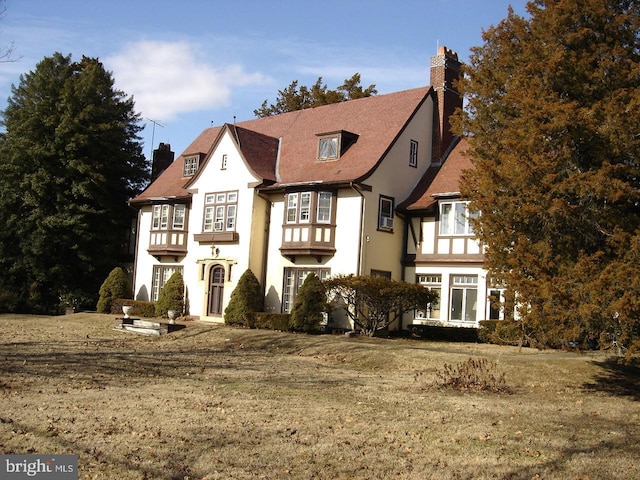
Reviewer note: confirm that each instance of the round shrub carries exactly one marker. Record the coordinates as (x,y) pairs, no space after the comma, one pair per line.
(116,285)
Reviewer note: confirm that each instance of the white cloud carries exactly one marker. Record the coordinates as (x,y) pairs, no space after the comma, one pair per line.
(167,79)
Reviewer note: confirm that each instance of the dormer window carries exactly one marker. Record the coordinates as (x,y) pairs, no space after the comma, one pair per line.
(333,145)
(190,166)
(328,148)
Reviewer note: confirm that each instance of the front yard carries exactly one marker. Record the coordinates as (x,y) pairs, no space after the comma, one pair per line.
(214,402)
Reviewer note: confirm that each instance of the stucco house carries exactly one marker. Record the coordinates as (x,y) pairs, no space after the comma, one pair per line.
(356,187)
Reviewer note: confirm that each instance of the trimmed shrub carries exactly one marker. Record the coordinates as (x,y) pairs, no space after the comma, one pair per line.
(246,297)
(115,286)
(306,315)
(140,308)
(267,321)
(171,297)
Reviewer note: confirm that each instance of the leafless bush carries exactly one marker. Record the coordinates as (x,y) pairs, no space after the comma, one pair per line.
(475,374)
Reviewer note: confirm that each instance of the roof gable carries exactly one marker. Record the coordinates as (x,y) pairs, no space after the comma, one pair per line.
(441,180)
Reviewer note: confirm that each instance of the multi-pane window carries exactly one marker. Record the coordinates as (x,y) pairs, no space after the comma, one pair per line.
(179,216)
(464,298)
(328,148)
(293,280)
(161,275)
(413,153)
(300,206)
(220,211)
(223,164)
(190,166)
(162,213)
(434,283)
(455,218)
(385,213)
(324,207)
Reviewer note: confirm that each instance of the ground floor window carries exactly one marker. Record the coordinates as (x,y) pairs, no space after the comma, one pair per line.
(293,280)
(464,298)
(433,283)
(161,273)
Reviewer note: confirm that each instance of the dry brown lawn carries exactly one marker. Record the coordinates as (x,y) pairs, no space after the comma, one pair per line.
(213,402)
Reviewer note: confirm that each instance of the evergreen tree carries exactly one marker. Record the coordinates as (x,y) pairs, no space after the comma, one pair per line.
(552,118)
(171,297)
(246,297)
(70,159)
(115,286)
(306,315)
(298,98)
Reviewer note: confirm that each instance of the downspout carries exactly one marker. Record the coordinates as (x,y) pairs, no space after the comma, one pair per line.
(360,234)
(135,250)
(265,243)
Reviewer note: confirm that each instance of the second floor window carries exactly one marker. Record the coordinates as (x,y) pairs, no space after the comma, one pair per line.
(455,219)
(385,213)
(300,205)
(220,210)
(162,214)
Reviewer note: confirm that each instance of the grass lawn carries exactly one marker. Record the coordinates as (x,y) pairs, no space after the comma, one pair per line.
(214,402)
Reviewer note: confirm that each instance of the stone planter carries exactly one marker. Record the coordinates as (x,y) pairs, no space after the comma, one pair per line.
(126,309)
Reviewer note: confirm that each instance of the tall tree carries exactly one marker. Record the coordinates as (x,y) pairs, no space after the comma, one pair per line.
(552,117)
(70,159)
(296,97)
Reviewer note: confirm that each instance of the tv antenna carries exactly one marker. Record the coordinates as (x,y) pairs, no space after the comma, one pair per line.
(153,133)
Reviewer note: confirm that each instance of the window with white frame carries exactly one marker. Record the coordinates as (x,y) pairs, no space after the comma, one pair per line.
(455,218)
(161,274)
(220,211)
(324,207)
(464,298)
(413,153)
(190,166)
(223,164)
(179,213)
(293,280)
(300,205)
(385,213)
(162,213)
(434,283)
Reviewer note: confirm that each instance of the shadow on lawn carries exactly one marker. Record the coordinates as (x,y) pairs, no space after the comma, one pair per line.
(617,378)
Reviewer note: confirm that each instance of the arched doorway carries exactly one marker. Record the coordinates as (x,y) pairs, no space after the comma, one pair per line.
(216,291)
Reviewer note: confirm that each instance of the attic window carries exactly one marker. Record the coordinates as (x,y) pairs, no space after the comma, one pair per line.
(328,148)
(190,166)
(333,145)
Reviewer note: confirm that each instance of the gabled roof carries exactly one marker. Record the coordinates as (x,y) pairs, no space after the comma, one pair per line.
(440,181)
(283,148)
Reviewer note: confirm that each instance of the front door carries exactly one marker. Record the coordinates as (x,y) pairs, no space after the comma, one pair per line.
(216,291)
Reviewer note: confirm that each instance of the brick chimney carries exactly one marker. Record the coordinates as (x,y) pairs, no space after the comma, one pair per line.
(445,70)
(162,158)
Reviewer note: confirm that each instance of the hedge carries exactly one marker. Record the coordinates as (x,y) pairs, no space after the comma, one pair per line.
(140,308)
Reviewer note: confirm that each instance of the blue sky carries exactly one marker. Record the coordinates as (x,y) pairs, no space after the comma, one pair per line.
(194,63)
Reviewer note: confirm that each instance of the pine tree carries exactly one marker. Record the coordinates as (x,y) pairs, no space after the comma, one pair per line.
(70,159)
(296,97)
(552,117)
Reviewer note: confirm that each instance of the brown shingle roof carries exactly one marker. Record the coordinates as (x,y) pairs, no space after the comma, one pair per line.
(376,120)
(440,180)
